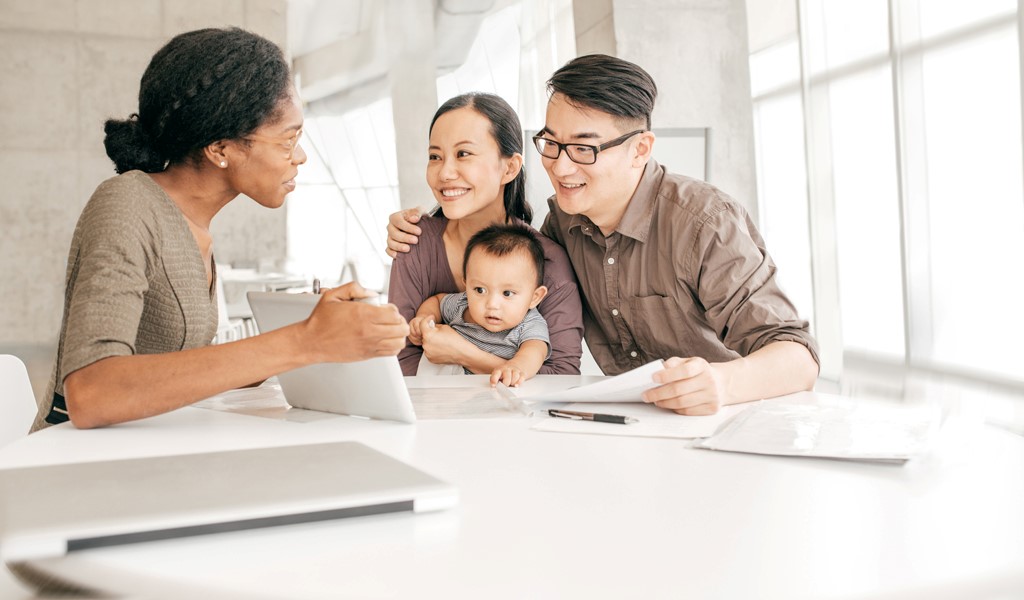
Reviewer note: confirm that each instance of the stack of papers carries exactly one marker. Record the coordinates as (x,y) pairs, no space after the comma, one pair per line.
(827,426)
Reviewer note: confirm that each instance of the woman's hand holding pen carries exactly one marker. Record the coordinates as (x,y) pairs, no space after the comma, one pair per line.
(342,331)
(349,291)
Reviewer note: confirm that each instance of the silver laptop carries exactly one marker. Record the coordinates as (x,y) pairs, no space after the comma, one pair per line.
(52,510)
(372,388)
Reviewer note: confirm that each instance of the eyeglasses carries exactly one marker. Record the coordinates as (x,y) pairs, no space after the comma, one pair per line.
(289,143)
(583,154)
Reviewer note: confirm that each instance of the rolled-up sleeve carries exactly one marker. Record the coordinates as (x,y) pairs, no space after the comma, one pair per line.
(736,284)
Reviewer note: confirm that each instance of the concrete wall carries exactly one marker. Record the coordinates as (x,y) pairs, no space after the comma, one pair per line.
(65,67)
(697,53)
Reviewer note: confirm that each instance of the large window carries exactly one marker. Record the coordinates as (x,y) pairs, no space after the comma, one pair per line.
(971,134)
(911,114)
(346,190)
(349,186)
(867,212)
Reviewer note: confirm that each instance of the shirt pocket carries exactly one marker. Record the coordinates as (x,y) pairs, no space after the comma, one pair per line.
(658,325)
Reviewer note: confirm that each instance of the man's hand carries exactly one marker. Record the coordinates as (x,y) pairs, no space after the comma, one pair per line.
(402,231)
(690,386)
(509,373)
(343,331)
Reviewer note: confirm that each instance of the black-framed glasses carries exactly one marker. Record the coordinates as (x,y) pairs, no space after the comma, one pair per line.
(583,154)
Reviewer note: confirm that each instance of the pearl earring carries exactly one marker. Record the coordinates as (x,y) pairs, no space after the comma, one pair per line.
(223,163)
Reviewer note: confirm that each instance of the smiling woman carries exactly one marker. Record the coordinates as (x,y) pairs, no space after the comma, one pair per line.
(475,170)
(218,117)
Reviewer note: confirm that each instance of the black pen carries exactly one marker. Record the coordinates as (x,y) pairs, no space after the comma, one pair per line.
(585,416)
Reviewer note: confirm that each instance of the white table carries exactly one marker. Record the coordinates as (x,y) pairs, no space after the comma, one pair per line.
(546,515)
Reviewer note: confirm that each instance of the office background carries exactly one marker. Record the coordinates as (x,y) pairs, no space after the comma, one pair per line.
(877,143)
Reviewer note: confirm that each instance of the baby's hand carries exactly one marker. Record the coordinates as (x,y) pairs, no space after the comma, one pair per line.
(509,373)
(416,327)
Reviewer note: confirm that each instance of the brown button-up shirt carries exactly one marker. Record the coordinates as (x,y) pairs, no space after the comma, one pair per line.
(685,273)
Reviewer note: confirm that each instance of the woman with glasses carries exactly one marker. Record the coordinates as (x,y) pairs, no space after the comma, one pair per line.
(218,117)
(475,170)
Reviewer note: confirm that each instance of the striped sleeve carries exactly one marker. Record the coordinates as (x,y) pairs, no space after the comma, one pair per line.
(534,327)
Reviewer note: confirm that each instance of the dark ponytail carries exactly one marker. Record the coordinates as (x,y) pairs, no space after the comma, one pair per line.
(131,147)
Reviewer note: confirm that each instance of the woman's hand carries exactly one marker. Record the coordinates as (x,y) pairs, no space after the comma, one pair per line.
(442,345)
(340,330)
(416,327)
(350,291)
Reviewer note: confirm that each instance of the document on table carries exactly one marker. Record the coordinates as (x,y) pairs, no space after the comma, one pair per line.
(653,421)
(466,403)
(626,387)
(828,426)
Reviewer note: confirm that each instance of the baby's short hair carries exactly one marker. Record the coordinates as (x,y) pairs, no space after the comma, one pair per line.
(502,240)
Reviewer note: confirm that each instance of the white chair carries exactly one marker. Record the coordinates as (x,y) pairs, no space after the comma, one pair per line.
(17,402)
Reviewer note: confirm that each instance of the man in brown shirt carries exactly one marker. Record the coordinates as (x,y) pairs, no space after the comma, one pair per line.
(669,267)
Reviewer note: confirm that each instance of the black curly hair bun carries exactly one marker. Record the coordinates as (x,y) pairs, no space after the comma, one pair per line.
(130,147)
(202,86)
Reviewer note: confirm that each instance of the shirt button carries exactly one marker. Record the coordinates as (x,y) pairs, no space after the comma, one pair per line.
(633,354)
(615,312)
(611,261)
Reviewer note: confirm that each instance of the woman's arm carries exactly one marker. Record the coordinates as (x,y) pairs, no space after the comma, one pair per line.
(563,311)
(124,388)
(407,287)
(442,345)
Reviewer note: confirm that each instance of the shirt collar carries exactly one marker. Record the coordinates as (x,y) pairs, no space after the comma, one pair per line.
(636,221)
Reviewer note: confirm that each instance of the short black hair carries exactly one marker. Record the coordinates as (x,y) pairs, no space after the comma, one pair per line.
(202,86)
(502,240)
(609,84)
(507,132)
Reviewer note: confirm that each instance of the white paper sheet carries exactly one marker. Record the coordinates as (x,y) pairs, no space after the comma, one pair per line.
(626,387)
(654,421)
(827,426)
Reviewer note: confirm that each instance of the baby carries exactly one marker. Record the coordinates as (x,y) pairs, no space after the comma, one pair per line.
(503,268)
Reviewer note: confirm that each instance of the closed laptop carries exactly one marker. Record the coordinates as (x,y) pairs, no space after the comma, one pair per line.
(52,510)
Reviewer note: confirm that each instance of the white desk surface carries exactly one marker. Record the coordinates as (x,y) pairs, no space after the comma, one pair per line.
(546,515)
